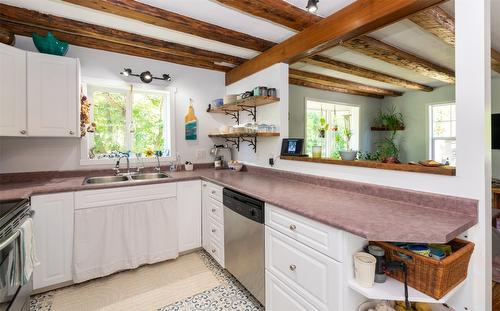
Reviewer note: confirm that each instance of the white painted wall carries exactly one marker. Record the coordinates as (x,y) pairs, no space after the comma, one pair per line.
(35,154)
(275,76)
(368,109)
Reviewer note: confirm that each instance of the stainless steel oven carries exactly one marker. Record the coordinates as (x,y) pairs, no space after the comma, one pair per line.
(14,291)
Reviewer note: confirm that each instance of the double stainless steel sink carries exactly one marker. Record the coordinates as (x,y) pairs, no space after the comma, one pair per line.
(124,178)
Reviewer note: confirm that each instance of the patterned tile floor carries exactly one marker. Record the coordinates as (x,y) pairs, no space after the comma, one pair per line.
(229,295)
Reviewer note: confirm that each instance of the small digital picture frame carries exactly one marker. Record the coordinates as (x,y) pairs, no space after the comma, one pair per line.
(292,147)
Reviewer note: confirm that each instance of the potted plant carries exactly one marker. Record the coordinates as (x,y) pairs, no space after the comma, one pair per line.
(348,154)
(388,150)
(323,127)
(390,120)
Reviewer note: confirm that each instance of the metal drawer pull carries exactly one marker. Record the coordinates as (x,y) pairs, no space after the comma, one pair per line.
(293,227)
(71,132)
(213,210)
(23,132)
(292,267)
(213,251)
(214,192)
(213,230)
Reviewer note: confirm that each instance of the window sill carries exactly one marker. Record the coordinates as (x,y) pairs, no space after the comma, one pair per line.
(442,170)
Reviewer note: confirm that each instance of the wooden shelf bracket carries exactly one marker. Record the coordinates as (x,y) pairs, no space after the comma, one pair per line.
(252,142)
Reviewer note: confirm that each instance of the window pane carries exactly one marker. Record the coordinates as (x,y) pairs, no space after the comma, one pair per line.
(442,113)
(442,129)
(109,116)
(445,151)
(312,138)
(147,123)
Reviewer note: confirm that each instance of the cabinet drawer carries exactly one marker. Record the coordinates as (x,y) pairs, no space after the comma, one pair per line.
(312,275)
(215,231)
(280,297)
(215,210)
(321,237)
(214,191)
(217,252)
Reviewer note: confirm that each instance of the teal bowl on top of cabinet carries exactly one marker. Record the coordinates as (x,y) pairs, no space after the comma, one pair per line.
(50,44)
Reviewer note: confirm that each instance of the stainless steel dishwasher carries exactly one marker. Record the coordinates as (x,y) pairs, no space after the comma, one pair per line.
(244,241)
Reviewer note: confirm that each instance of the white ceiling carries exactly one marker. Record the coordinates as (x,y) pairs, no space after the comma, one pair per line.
(421,43)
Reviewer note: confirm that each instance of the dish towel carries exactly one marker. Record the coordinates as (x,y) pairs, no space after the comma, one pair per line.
(29,259)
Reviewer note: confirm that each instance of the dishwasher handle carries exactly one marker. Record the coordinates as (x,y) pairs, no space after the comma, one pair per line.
(246,206)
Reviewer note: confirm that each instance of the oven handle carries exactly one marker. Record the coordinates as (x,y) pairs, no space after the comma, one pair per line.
(5,243)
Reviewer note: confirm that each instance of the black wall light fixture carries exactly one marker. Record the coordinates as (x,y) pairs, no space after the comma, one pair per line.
(312,6)
(145,76)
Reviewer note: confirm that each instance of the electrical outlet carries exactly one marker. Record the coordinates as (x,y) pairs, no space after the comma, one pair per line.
(201,154)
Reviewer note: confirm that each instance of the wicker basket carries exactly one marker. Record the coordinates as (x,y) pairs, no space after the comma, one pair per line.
(430,276)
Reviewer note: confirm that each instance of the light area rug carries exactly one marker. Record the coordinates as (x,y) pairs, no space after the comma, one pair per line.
(191,282)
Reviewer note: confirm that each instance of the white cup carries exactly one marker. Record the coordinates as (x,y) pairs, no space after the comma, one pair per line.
(364,269)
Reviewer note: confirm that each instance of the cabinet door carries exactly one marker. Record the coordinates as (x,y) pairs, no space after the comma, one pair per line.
(53,95)
(12,91)
(280,297)
(189,214)
(53,229)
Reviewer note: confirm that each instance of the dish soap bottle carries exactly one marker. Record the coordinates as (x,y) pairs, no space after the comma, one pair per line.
(191,123)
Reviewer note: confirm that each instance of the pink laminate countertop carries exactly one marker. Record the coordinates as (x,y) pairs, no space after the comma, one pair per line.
(367,216)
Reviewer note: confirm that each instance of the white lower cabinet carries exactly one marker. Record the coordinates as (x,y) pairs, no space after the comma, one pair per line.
(123,228)
(53,230)
(213,221)
(280,297)
(189,214)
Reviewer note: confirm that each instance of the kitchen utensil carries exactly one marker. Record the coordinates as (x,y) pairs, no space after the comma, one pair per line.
(188,166)
(247,94)
(229,99)
(420,249)
(235,166)
(271,92)
(263,91)
(256,91)
(218,102)
(218,163)
(379,253)
(364,269)
(50,44)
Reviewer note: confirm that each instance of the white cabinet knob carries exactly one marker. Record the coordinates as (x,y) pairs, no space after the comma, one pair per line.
(213,230)
(293,227)
(213,210)
(213,251)
(71,132)
(292,267)
(23,132)
(213,191)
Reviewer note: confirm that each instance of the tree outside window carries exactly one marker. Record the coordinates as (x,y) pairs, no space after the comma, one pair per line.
(128,122)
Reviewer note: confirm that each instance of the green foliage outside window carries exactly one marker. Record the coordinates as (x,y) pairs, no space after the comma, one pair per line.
(114,133)
(110,119)
(147,118)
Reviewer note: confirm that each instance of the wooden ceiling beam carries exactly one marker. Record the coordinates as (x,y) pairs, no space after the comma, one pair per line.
(51,22)
(155,16)
(341,83)
(279,12)
(377,49)
(439,23)
(330,88)
(329,63)
(94,43)
(360,17)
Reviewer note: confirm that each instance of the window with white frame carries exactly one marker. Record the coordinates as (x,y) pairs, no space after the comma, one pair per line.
(136,122)
(443,125)
(341,119)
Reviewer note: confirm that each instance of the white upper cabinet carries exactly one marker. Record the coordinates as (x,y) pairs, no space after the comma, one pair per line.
(53,95)
(12,91)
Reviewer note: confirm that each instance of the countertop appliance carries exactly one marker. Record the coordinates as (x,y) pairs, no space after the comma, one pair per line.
(244,241)
(14,293)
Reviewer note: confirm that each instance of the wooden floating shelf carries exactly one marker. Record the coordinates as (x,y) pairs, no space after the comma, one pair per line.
(239,135)
(250,102)
(442,170)
(394,290)
(374,128)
